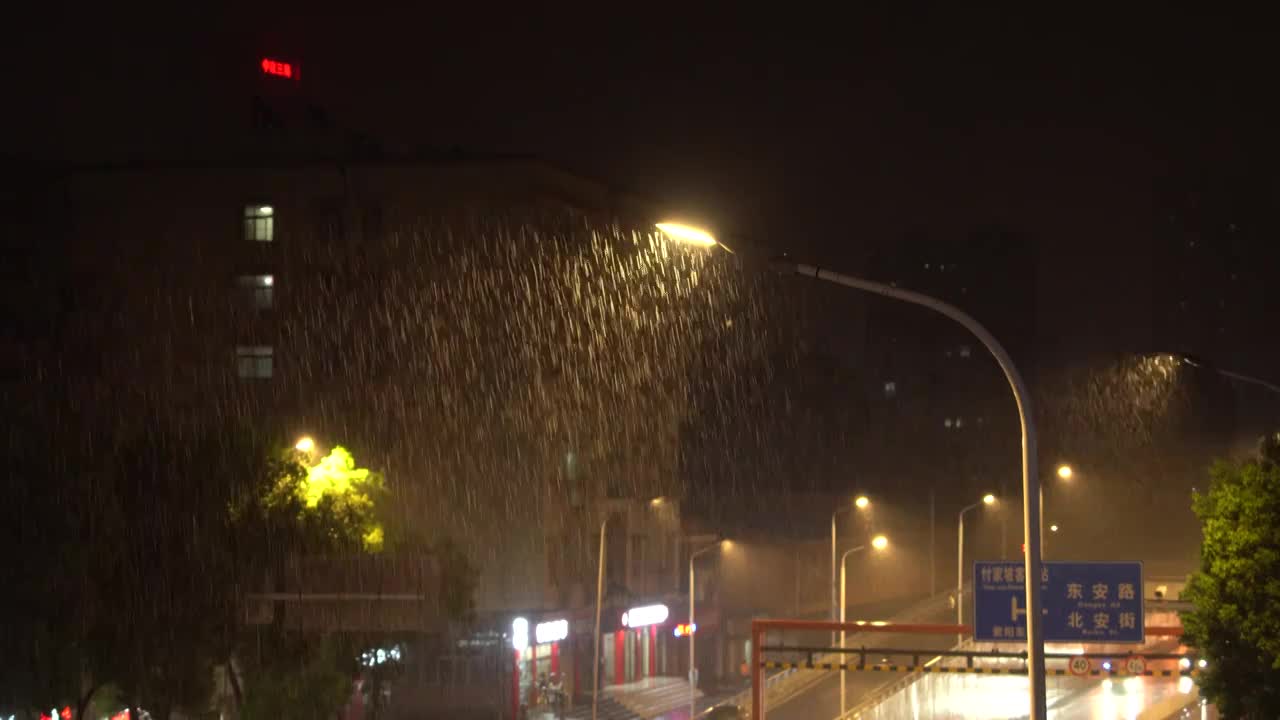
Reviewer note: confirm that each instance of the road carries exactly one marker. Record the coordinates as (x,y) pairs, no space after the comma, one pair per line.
(984,697)
(822,701)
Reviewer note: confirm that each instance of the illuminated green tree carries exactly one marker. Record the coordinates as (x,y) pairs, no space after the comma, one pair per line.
(331,506)
(1236,621)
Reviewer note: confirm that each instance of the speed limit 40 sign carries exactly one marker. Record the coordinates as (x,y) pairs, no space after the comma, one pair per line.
(1079,666)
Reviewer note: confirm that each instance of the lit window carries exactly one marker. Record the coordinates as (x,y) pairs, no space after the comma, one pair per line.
(964,351)
(959,423)
(259,223)
(254,361)
(259,290)
(946,423)
(890,388)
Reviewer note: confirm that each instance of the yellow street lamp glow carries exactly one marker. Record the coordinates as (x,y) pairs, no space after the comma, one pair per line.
(305,444)
(861,502)
(726,544)
(657,501)
(687,234)
(1064,472)
(879,542)
(989,499)
(1053,528)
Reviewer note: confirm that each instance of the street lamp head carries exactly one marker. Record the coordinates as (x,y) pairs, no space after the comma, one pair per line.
(988,499)
(1065,472)
(1053,528)
(862,502)
(657,501)
(305,444)
(687,234)
(880,542)
(726,544)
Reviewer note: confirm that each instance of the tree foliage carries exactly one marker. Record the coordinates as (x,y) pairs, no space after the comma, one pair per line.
(1236,621)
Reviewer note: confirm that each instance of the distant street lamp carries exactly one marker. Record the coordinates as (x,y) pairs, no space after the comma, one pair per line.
(1064,473)
(595,653)
(1021,396)
(987,499)
(693,626)
(305,444)
(862,503)
(878,543)
(1053,527)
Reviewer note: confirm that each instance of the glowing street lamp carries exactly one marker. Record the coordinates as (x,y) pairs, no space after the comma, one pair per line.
(861,503)
(305,444)
(687,234)
(879,543)
(693,670)
(595,653)
(1065,472)
(1031,520)
(987,499)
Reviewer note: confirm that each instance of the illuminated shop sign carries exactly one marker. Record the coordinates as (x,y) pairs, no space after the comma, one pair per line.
(647,615)
(552,631)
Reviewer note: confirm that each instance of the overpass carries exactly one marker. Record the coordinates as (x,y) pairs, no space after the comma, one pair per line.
(912,675)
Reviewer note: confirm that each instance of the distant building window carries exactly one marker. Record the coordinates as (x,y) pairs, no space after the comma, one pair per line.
(947,423)
(259,290)
(964,351)
(254,361)
(259,223)
(890,388)
(959,423)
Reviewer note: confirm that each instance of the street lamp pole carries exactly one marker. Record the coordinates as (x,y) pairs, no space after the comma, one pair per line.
(861,503)
(595,639)
(879,543)
(1030,480)
(988,499)
(693,626)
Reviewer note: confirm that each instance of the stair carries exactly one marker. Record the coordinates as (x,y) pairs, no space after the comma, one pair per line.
(608,709)
(653,696)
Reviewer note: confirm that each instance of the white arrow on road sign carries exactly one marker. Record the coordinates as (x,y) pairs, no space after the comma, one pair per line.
(1014,610)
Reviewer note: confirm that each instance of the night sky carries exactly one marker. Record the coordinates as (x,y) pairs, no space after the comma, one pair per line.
(826,136)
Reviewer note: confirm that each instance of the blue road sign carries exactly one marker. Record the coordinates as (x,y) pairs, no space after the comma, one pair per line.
(1097,602)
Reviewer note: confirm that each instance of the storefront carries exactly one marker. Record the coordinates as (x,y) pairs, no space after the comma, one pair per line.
(635,651)
(540,654)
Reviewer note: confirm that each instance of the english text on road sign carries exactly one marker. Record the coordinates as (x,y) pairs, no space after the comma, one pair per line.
(1083,602)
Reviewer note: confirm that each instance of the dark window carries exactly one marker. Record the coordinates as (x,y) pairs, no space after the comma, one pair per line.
(258,291)
(254,361)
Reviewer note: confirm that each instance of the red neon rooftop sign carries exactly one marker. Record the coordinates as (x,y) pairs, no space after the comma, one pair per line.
(278,68)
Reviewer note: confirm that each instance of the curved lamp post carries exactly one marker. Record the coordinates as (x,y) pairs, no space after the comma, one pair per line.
(1021,396)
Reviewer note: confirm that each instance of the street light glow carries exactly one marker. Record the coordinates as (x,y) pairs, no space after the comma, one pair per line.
(1053,528)
(657,501)
(305,444)
(861,502)
(879,542)
(726,544)
(989,499)
(687,234)
(1064,472)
